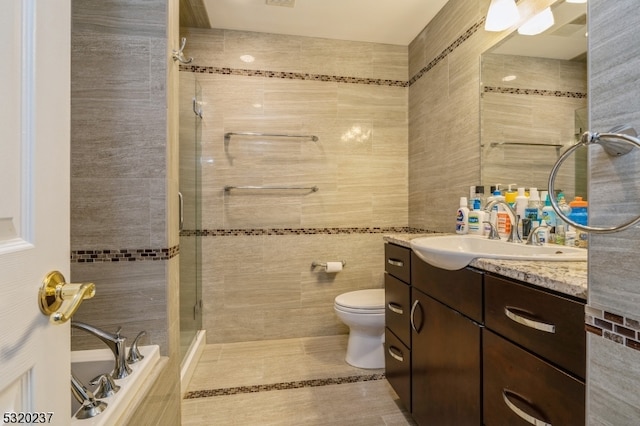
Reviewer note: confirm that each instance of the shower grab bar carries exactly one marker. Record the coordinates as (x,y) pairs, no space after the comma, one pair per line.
(610,142)
(227,136)
(228,188)
(554,145)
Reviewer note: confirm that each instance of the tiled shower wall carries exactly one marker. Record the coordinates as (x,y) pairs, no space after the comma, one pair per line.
(124,181)
(614,272)
(258,245)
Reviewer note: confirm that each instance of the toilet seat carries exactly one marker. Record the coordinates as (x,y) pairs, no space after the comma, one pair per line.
(369,301)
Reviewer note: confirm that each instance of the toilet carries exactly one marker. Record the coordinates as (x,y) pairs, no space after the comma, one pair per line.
(363,312)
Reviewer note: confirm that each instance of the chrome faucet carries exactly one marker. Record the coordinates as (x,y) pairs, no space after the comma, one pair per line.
(514,235)
(91,406)
(534,238)
(115,342)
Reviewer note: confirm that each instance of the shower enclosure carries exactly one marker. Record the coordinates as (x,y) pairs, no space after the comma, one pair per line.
(190,217)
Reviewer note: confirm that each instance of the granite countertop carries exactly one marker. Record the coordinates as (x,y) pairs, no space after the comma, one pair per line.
(565,277)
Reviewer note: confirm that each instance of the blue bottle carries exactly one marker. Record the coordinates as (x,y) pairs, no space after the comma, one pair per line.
(579,212)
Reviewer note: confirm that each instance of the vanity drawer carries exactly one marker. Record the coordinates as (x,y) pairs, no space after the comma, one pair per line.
(397,261)
(518,384)
(549,325)
(397,297)
(398,367)
(461,290)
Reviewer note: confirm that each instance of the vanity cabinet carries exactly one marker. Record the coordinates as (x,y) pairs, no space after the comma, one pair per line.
(469,347)
(534,356)
(397,281)
(446,345)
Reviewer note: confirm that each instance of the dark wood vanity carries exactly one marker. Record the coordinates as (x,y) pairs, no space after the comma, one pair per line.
(469,347)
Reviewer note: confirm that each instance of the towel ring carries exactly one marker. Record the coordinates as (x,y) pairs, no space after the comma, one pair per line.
(610,142)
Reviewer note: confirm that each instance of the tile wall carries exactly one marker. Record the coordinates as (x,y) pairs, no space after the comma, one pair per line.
(614,284)
(124,178)
(258,246)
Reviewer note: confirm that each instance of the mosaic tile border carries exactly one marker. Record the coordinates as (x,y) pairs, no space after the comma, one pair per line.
(453,46)
(124,255)
(293,76)
(614,327)
(335,78)
(535,92)
(298,231)
(283,386)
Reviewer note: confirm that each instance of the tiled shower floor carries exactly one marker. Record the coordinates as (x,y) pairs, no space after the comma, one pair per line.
(288,382)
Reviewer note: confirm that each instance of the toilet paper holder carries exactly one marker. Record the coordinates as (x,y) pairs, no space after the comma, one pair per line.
(316,264)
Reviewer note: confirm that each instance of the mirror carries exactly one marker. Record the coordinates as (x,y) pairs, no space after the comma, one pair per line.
(533,105)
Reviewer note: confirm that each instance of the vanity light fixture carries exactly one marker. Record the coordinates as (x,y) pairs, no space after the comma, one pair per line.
(538,24)
(502,14)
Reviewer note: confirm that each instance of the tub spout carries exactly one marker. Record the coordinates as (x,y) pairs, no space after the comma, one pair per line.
(91,407)
(115,342)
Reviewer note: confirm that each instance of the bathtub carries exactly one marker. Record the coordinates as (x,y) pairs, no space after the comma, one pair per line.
(88,364)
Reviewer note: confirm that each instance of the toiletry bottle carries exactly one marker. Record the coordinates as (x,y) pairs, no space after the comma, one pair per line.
(543,233)
(533,207)
(579,211)
(580,216)
(478,197)
(510,195)
(476,222)
(462,217)
(548,214)
(570,237)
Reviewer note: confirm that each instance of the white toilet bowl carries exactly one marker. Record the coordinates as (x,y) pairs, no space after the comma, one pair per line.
(363,312)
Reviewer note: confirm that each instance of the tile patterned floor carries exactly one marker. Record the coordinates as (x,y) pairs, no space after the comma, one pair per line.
(288,382)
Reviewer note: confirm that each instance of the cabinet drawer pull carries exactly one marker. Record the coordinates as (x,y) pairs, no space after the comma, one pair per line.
(548,328)
(411,319)
(395,262)
(524,416)
(395,308)
(397,356)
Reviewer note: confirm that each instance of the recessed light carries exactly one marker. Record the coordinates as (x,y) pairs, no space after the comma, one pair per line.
(247,58)
(284,3)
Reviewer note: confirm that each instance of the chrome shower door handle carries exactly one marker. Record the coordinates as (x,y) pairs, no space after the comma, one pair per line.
(180,211)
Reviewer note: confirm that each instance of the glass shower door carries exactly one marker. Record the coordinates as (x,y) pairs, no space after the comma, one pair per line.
(190,189)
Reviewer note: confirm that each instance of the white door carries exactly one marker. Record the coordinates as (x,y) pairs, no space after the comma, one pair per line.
(34,206)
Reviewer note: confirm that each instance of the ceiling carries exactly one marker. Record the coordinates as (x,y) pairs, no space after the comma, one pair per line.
(379,21)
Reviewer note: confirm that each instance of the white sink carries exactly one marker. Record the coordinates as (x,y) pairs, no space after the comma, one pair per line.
(457,251)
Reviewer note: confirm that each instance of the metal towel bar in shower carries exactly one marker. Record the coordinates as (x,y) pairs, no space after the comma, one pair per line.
(553,145)
(228,135)
(308,188)
(611,143)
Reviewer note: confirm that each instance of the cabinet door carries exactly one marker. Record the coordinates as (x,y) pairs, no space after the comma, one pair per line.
(522,389)
(446,365)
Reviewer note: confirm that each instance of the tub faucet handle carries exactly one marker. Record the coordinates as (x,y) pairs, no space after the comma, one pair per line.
(134,353)
(91,406)
(106,386)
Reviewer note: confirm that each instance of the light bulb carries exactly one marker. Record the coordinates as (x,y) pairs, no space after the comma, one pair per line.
(502,14)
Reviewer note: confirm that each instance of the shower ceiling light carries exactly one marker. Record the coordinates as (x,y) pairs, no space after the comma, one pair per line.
(538,24)
(502,14)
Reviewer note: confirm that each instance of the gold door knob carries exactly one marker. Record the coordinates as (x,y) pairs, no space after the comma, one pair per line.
(59,299)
